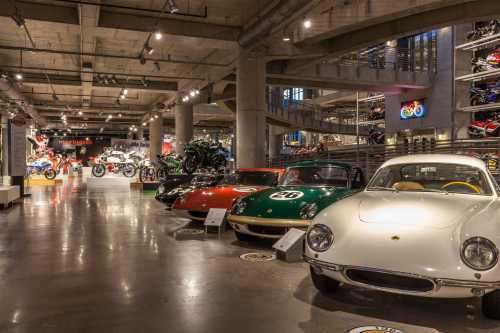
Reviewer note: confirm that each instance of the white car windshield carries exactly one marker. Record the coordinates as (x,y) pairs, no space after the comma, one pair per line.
(316,176)
(431,177)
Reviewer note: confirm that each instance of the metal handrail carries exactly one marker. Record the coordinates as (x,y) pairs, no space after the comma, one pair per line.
(370,157)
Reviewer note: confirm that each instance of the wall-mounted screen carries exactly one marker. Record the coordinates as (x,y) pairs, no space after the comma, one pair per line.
(413,109)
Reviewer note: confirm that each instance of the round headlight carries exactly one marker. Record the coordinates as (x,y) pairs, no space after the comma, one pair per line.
(308,211)
(239,207)
(479,253)
(319,238)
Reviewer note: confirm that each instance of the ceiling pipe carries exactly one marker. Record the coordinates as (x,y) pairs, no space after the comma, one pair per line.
(9,90)
(113,56)
(274,17)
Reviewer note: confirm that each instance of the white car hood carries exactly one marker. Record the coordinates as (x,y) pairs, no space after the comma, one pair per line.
(419,209)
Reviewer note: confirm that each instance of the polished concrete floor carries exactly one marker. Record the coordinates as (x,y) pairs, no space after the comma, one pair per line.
(75,259)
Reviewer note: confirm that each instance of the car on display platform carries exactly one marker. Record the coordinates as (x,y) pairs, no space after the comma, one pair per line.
(426,225)
(176,185)
(306,189)
(195,204)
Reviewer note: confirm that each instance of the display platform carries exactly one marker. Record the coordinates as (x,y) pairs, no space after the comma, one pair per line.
(8,194)
(109,181)
(42,182)
(146,186)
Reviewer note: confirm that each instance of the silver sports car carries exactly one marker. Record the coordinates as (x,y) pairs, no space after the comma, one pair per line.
(426,225)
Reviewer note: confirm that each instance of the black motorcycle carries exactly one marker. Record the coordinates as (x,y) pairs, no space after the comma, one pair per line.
(492,28)
(376,137)
(202,154)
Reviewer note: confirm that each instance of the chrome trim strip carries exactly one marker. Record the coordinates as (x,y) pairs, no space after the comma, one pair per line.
(437,282)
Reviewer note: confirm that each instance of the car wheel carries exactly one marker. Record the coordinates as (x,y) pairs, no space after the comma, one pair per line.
(244,237)
(323,283)
(491,305)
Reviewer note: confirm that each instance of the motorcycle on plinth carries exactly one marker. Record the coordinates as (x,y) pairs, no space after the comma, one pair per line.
(114,162)
(202,154)
(41,167)
(168,164)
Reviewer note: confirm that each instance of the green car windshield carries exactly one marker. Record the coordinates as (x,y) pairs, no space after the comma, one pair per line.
(316,176)
(251,178)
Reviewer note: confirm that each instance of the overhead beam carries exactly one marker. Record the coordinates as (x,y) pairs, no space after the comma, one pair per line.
(50,12)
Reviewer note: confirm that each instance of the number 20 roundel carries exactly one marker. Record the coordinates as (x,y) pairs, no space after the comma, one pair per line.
(286,195)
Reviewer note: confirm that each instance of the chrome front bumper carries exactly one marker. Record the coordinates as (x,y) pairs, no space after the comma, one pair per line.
(438,283)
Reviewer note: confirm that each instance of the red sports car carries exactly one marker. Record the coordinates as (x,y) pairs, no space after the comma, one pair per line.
(196,204)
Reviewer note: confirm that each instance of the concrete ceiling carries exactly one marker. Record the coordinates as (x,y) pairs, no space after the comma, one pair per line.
(69,48)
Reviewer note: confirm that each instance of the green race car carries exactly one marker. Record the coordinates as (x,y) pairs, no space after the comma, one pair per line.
(305,189)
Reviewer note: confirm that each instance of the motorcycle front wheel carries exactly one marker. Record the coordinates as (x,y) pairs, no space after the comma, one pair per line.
(98,170)
(190,163)
(147,174)
(50,174)
(219,162)
(129,170)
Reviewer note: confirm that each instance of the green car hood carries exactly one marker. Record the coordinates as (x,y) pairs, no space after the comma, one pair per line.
(285,202)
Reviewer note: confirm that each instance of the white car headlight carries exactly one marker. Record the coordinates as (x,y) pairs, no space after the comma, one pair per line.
(239,207)
(309,211)
(479,253)
(319,238)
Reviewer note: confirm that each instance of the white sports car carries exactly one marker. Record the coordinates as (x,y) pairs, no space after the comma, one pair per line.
(426,225)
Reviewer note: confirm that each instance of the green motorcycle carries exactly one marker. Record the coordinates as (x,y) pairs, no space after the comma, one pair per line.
(202,154)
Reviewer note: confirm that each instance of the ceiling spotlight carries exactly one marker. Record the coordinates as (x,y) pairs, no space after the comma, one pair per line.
(173,7)
(144,124)
(307,24)
(148,49)
(192,93)
(156,116)
(197,92)
(286,39)
(119,115)
(87,138)
(122,96)
(64,134)
(135,129)
(19,76)
(158,34)
(80,113)
(125,91)
(101,130)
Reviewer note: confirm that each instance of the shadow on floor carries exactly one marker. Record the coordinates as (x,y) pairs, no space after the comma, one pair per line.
(445,315)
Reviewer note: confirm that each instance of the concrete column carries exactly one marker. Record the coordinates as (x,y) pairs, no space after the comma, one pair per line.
(155,138)
(275,141)
(183,126)
(250,111)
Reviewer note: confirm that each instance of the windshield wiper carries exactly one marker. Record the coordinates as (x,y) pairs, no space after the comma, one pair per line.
(428,190)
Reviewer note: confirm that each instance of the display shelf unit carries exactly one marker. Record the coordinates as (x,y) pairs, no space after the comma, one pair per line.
(373,122)
(476,77)
(480,43)
(479,108)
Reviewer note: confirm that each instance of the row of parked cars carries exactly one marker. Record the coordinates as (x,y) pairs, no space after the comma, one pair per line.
(424,225)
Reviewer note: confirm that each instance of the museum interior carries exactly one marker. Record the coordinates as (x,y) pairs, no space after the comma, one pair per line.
(196,166)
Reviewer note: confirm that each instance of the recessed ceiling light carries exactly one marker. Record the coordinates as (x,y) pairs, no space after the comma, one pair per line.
(158,35)
(19,76)
(286,39)
(307,24)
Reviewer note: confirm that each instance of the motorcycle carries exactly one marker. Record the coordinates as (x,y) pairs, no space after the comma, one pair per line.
(201,154)
(483,128)
(115,162)
(480,64)
(492,28)
(484,96)
(376,137)
(376,113)
(39,167)
(168,164)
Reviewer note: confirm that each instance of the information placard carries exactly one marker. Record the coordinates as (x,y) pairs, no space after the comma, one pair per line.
(215,217)
(289,239)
